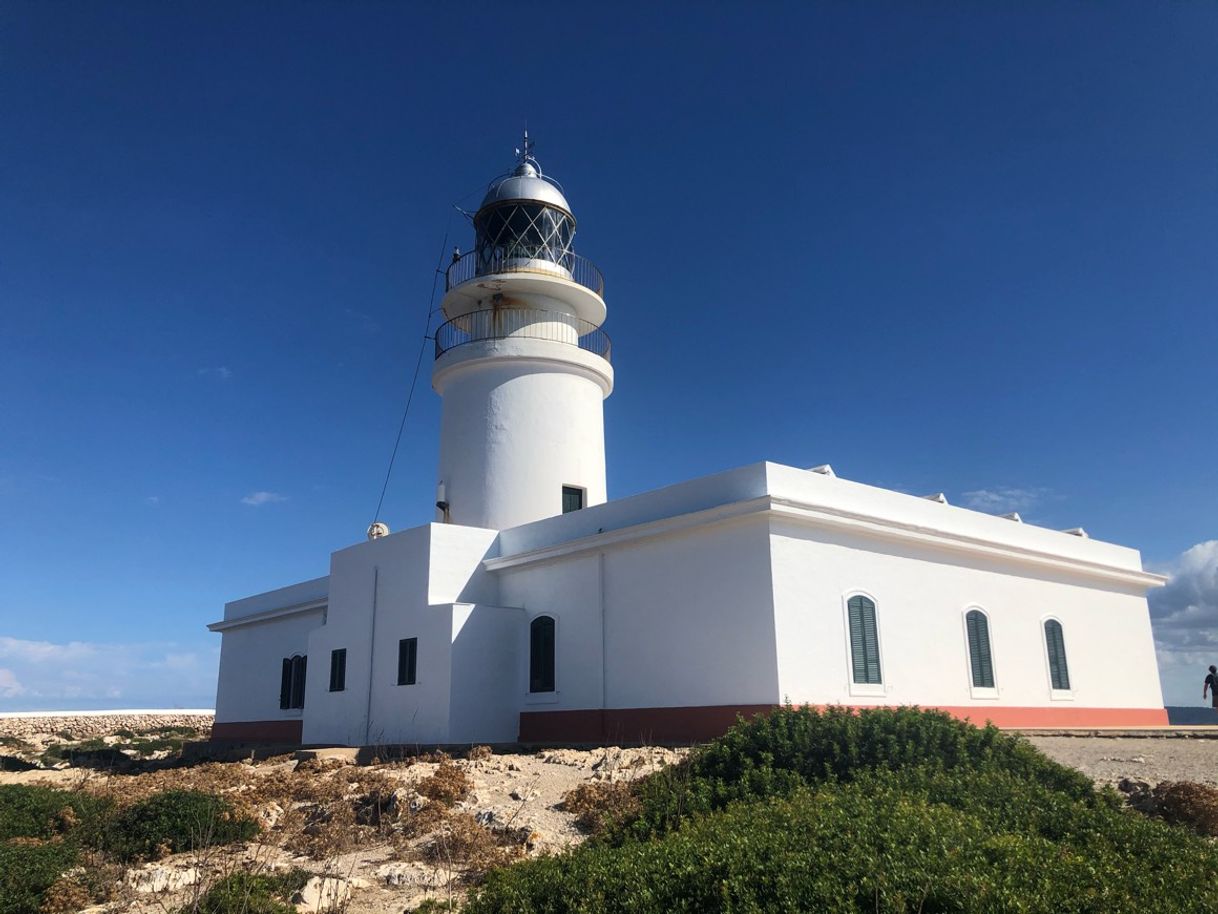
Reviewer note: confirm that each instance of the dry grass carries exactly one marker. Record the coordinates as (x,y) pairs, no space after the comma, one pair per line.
(447,785)
(598,804)
(1184,803)
(461,841)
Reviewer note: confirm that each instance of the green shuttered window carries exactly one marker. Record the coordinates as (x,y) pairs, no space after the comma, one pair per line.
(864,643)
(980,658)
(1059,671)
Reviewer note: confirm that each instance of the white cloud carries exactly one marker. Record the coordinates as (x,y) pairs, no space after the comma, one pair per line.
(80,675)
(10,687)
(152,500)
(1185,619)
(257,499)
(219,372)
(1004,499)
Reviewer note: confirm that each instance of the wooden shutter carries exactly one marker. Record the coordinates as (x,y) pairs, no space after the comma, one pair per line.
(980,659)
(299,670)
(1055,643)
(541,655)
(338,670)
(864,641)
(285,684)
(408,652)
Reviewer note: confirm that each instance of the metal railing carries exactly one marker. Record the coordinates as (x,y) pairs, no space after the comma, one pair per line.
(573,267)
(523,323)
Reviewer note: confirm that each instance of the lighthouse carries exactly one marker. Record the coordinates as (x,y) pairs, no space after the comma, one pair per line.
(522,362)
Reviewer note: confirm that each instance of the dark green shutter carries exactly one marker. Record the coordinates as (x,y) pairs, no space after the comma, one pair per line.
(864,642)
(541,654)
(979,655)
(285,684)
(408,649)
(1059,671)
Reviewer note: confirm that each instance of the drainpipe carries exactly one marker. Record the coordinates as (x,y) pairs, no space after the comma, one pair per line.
(376,576)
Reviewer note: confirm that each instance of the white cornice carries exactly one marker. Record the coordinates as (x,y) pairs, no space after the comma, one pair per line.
(295,609)
(830,518)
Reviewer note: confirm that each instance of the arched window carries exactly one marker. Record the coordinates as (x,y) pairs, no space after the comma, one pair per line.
(292,682)
(864,642)
(541,654)
(1055,644)
(979,657)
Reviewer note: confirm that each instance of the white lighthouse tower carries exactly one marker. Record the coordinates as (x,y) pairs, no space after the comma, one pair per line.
(522,363)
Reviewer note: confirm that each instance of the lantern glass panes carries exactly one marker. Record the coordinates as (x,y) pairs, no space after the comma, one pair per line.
(519,231)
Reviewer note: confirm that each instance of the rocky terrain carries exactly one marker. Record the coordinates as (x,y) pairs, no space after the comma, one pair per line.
(387,836)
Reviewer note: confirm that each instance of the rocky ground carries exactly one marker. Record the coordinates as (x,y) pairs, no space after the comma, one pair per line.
(386,836)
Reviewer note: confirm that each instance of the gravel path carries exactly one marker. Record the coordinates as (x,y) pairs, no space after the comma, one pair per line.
(1152,759)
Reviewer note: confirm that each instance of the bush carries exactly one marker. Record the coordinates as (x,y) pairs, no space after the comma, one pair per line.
(176,821)
(887,810)
(599,805)
(793,747)
(251,893)
(889,843)
(447,784)
(28,867)
(1194,806)
(43,812)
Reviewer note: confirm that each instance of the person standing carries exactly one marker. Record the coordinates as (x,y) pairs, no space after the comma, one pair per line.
(1211,686)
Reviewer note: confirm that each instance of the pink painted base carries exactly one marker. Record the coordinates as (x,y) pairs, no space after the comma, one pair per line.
(257,731)
(698,724)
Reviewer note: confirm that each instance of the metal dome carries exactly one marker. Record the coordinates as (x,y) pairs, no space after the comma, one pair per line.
(526,182)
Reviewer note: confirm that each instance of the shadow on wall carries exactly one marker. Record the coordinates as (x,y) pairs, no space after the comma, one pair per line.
(1188,716)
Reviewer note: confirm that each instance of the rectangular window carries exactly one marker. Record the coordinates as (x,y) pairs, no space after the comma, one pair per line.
(408,660)
(572,499)
(338,670)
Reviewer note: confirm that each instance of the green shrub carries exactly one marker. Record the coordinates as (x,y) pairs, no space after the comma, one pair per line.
(792,747)
(251,893)
(28,867)
(883,844)
(176,821)
(28,811)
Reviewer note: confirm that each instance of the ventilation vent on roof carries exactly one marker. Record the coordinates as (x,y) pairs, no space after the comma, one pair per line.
(825,470)
(1014,515)
(1077,531)
(938,496)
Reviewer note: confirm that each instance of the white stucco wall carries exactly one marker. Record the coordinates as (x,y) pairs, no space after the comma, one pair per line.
(921,595)
(417,574)
(251,666)
(520,419)
(679,620)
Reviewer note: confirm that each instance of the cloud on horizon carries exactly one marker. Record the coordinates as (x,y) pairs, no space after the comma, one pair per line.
(81,675)
(220,372)
(258,499)
(1185,618)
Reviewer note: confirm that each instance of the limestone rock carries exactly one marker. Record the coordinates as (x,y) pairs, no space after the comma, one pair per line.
(321,894)
(156,878)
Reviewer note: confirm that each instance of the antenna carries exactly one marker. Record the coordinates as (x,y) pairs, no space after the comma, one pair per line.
(524,152)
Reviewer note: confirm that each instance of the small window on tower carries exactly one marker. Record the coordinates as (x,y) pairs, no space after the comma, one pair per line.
(408,661)
(338,670)
(572,499)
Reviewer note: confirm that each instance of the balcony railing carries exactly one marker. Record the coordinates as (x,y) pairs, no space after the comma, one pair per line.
(523,323)
(573,267)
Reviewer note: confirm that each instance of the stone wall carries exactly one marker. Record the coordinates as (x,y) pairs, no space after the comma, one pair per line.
(82,726)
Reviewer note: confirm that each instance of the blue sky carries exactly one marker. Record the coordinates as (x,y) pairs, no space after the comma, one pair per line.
(945,247)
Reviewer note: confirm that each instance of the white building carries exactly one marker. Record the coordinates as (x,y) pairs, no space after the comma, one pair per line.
(535,610)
